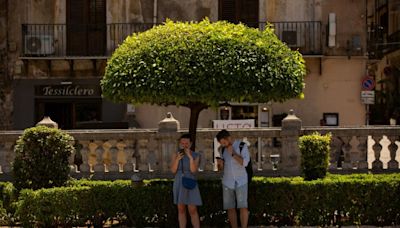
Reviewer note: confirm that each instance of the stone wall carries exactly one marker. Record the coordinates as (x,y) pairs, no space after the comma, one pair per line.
(5,87)
(118,154)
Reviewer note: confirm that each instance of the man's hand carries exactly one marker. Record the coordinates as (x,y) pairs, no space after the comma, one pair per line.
(229,148)
(220,164)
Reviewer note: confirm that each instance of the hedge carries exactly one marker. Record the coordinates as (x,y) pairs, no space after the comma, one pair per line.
(41,158)
(8,198)
(336,200)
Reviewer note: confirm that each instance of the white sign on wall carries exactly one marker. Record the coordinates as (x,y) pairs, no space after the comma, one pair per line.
(233,124)
(368,97)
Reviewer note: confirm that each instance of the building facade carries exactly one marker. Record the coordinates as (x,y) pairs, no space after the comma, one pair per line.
(53,54)
(384,59)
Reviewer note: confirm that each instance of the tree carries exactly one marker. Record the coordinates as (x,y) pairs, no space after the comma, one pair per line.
(200,64)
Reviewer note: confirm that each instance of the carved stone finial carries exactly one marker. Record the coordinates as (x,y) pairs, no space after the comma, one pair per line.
(169,124)
(48,122)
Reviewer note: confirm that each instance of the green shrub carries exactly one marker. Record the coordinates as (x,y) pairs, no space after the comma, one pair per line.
(333,201)
(315,151)
(8,199)
(42,158)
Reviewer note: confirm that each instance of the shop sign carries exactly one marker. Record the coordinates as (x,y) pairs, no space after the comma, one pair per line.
(67,90)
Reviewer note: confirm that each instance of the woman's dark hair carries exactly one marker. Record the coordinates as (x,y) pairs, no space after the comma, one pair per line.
(223,134)
(185,136)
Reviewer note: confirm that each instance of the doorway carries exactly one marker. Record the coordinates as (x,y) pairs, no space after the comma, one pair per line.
(69,114)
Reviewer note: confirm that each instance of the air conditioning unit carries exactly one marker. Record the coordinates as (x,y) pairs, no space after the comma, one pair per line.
(38,45)
(292,38)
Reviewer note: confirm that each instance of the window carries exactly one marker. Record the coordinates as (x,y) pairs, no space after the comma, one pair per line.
(331,119)
(86,27)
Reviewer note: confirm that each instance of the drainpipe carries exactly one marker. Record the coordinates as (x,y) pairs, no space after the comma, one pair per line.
(155,12)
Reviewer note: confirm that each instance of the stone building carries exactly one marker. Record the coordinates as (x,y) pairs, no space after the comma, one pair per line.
(53,54)
(384,59)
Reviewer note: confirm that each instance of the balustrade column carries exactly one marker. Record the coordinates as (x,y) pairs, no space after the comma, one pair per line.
(84,153)
(290,156)
(393,164)
(7,157)
(336,150)
(167,137)
(96,156)
(346,148)
(377,147)
(71,158)
(363,148)
(112,150)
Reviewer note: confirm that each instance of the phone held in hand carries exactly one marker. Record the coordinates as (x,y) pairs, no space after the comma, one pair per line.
(219,158)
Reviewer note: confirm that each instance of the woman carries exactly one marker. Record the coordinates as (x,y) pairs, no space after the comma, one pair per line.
(186,162)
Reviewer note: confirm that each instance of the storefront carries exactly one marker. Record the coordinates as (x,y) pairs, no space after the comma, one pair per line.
(73,104)
(241,111)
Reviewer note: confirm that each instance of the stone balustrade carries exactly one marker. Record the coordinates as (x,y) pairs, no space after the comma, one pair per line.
(118,154)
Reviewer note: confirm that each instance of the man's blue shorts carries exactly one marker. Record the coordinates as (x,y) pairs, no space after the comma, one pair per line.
(235,198)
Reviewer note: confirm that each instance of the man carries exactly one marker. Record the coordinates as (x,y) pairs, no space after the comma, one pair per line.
(233,161)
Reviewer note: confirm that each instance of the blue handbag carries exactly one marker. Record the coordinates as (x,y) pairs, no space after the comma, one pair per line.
(188,182)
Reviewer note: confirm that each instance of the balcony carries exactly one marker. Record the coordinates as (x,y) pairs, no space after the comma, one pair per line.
(52,41)
(305,36)
(380,43)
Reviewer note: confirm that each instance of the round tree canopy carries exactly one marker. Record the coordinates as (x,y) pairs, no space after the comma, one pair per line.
(203,62)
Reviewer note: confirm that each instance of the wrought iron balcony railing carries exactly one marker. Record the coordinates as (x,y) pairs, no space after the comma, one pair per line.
(100,40)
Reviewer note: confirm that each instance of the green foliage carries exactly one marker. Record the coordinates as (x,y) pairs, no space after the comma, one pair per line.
(315,151)
(42,158)
(204,62)
(8,199)
(333,201)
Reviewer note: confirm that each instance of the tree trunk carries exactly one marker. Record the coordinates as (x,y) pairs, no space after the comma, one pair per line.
(195,109)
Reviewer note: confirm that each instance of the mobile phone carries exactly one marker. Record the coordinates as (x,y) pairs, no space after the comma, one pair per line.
(219,158)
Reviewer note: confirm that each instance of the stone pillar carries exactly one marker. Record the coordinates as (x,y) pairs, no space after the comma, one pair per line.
(290,157)
(167,136)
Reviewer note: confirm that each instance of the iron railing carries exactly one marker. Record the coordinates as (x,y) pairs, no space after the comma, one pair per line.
(305,36)
(62,40)
(380,43)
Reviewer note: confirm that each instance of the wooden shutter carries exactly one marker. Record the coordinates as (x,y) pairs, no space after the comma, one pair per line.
(228,10)
(245,11)
(97,28)
(86,27)
(76,29)
(249,12)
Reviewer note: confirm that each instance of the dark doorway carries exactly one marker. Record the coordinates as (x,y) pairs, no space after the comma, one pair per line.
(69,114)
(86,27)
(58,112)
(235,11)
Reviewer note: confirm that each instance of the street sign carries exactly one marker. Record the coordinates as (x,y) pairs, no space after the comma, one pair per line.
(368,83)
(368,97)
